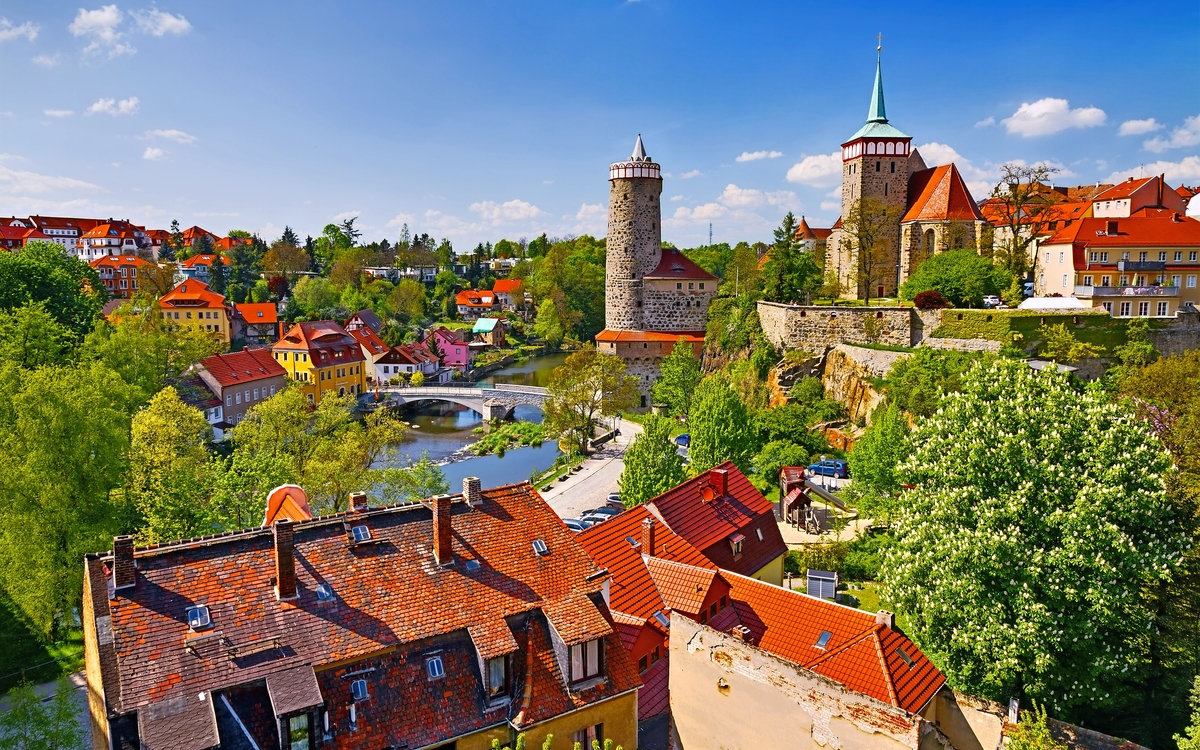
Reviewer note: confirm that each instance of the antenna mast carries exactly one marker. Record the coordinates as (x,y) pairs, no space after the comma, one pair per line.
(710,233)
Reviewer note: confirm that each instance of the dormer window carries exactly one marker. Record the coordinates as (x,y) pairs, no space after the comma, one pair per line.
(497,675)
(434,667)
(586,660)
(361,533)
(735,543)
(198,618)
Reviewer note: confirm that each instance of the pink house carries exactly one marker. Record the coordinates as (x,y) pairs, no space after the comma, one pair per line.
(454,351)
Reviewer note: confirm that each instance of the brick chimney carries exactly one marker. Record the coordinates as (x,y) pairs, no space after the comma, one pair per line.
(472,491)
(718,479)
(648,536)
(123,570)
(285,561)
(441,530)
(883,617)
(358,501)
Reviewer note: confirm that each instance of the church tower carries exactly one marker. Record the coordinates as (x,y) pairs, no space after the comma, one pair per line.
(876,164)
(634,237)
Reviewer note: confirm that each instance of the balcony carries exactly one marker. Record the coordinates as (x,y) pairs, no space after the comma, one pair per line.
(1141,266)
(1126,291)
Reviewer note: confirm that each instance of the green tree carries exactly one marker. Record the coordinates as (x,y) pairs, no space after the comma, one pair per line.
(419,480)
(418,379)
(791,274)
(1060,345)
(1019,203)
(549,324)
(962,276)
(773,457)
(285,259)
(407,299)
(652,463)
(873,463)
(720,425)
(1037,515)
(30,724)
(31,337)
(218,275)
(42,272)
(1137,351)
(315,296)
(289,237)
(869,230)
(680,375)
(1032,732)
(64,437)
(917,383)
(585,388)
(170,476)
(1190,740)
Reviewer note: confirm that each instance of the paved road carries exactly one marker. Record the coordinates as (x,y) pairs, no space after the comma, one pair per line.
(591,486)
(45,691)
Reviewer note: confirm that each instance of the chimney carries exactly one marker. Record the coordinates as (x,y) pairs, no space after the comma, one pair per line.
(716,478)
(883,617)
(441,530)
(285,560)
(648,536)
(358,501)
(740,632)
(123,571)
(472,491)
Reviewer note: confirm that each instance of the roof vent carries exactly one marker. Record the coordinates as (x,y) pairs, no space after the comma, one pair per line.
(540,548)
(358,690)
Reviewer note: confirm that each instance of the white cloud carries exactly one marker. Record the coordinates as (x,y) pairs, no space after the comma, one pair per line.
(346,215)
(57,112)
(513,210)
(1049,115)
(591,218)
(101,26)
(158,23)
(756,155)
(15,181)
(591,212)
(1185,171)
(1187,134)
(736,197)
(821,170)
(178,136)
(676,197)
(831,205)
(986,122)
(703,212)
(113,107)
(690,175)
(154,154)
(736,208)
(1137,127)
(47,61)
(29,30)
(399,220)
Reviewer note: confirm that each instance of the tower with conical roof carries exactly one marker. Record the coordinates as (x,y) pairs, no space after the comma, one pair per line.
(876,164)
(634,236)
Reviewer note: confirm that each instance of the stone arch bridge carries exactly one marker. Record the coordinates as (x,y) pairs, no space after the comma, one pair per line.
(492,402)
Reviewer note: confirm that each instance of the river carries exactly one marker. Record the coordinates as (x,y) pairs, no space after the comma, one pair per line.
(443,429)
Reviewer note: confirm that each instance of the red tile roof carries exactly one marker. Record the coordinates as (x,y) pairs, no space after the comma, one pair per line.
(690,337)
(228,243)
(192,293)
(1136,231)
(116,261)
(506,286)
(996,211)
(683,587)
(676,265)
(805,232)
(287,501)
(707,520)
(194,233)
(205,258)
(258,312)
(324,340)
(237,368)
(392,606)
(473,298)
(860,653)
(940,194)
(369,341)
(655,696)
(1124,189)
(119,229)
(63,222)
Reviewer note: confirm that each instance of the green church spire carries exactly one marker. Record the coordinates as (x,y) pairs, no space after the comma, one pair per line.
(877,113)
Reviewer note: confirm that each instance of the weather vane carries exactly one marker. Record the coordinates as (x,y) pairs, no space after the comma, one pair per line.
(880,38)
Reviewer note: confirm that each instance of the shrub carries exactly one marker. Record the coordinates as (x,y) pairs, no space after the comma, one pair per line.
(930,299)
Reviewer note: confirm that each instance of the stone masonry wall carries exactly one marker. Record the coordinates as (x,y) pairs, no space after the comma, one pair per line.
(634,248)
(861,180)
(666,308)
(1183,334)
(813,328)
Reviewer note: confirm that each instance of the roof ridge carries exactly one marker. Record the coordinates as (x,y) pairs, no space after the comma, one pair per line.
(887,671)
(852,641)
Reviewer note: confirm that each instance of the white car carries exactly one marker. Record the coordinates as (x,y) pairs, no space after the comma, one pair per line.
(991,300)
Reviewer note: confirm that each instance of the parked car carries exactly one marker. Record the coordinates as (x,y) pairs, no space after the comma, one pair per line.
(830,467)
(991,300)
(614,502)
(576,525)
(684,440)
(598,515)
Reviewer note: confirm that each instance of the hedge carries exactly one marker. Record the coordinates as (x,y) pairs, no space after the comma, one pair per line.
(1097,328)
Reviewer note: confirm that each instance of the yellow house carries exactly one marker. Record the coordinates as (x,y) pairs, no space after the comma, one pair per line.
(323,358)
(193,305)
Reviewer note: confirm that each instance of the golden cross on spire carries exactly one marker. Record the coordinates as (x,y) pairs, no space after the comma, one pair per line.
(880,38)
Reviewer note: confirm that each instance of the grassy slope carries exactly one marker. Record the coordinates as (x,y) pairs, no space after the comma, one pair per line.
(23,650)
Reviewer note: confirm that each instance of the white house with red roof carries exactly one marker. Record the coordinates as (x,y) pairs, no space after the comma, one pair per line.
(508,293)
(119,274)
(472,303)
(373,350)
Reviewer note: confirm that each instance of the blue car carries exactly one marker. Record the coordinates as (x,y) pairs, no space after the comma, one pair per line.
(830,467)
(684,440)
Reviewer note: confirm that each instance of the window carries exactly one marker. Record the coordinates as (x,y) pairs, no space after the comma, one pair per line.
(735,543)
(358,690)
(1178,256)
(198,618)
(255,394)
(1191,281)
(712,610)
(1143,309)
(361,533)
(893,167)
(1162,256)
(1103,257)
(1124,280)
(885,189)
(585,736)
(1175,280)
(229,400)
(679,285)
(1060,257)
(1087,280)
(1124,309)
(434,667)
(877,166)
(298,732)
(497,676)
(585,660)
(1095,257)
(1163,309)
(758,531)
(823,639)
(272,390)
(691,285)
(642,664)
(1108,307)
(324,592)
(238,397)
(1192,256)
(247,395)
(702,286)
(1047,256)
(1064,281)
(1141,256)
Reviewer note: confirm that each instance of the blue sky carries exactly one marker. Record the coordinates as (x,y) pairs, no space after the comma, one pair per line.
(477,121)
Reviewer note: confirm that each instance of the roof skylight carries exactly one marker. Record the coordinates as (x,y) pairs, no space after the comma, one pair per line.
(198,618)
(324,592)
(361,533)
(904,657)
(823,639)
(540,548)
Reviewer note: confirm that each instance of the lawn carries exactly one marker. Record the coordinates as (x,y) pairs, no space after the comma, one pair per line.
(24,654)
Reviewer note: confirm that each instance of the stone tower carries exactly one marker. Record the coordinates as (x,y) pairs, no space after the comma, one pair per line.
(876,163)
(634,237)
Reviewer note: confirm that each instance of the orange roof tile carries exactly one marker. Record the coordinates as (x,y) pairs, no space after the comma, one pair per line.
(246,366)
(116,261)
(205,258)
(369,340)
(690,337)
(683,587)
(473,298)
(1124,189)
(676,265)
(324,340)
(1166,230)
(192,293)
(506,286)
(940,194)
(258,312)
(287,501)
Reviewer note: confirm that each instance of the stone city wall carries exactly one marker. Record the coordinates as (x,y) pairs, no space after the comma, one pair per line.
(669,309)
(1182,334)
(814,328)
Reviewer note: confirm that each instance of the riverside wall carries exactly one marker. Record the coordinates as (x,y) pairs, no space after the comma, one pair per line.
(815,328)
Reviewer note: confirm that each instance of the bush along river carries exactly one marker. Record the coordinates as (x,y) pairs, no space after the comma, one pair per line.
(445,431)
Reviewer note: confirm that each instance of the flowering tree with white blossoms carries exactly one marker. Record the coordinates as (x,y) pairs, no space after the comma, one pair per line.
(1038,514)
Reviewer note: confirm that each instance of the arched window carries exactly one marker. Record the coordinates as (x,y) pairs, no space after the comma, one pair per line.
(870,148)
(929,242)
(891,148)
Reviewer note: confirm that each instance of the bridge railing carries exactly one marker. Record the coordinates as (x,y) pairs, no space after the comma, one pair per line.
(532,390)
